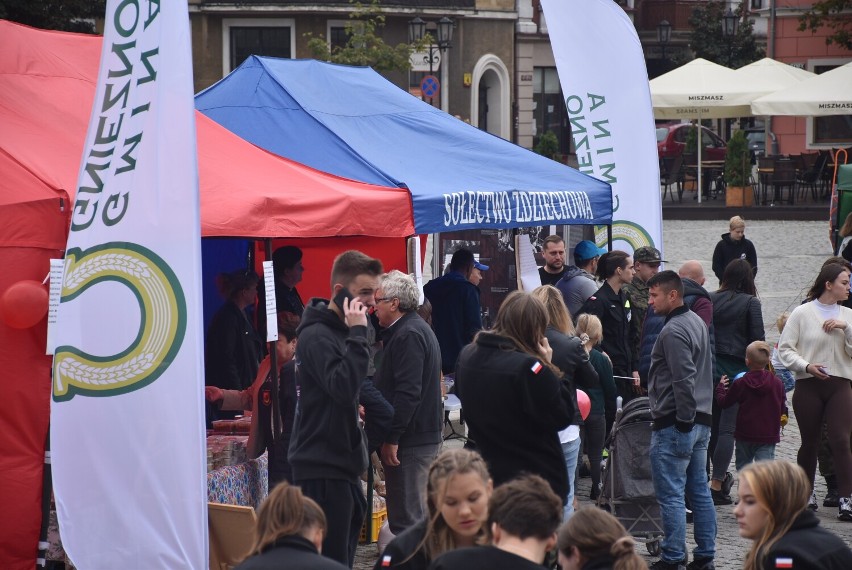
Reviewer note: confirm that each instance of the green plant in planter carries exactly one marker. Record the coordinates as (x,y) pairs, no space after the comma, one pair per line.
(737,161)
(548,145)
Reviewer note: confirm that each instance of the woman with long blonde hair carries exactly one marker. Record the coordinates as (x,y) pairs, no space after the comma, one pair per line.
(289,534)
(457,491)
(513,396)
(773,513)
(573,361)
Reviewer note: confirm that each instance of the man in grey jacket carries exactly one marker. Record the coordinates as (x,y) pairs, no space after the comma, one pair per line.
(680,393)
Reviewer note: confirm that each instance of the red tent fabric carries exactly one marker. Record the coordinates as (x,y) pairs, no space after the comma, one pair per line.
(47,85)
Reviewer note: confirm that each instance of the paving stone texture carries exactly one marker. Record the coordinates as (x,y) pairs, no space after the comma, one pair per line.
(789,255)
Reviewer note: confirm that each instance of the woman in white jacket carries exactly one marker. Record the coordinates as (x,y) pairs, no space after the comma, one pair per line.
(816,346)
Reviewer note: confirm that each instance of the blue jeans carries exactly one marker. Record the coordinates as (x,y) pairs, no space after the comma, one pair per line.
(749,452)
(678,467)
(571,451)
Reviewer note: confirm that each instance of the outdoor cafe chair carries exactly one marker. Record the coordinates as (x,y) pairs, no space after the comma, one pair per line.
(673,174)
(765,168)
(809,178)
(784,176)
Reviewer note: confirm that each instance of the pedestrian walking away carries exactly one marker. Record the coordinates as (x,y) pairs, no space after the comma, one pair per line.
(738,321)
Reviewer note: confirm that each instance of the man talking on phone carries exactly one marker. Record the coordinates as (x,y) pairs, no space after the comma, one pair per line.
(328,451)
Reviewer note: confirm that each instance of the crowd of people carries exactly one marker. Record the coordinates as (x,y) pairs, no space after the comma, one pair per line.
(361,372)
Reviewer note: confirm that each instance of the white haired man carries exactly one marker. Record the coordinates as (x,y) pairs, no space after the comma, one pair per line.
(409,377)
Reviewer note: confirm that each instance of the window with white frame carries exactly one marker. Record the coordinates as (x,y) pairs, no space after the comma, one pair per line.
(831,130)
(337,34)
(243,37)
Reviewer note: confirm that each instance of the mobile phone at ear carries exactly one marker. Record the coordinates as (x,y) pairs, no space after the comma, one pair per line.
(343,294)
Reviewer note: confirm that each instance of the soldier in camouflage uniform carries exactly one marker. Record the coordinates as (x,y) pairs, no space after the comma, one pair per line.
(646,262)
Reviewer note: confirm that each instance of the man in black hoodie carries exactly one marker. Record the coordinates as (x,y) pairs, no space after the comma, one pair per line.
(328,450)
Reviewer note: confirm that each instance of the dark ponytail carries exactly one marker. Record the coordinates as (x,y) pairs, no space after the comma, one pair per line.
(611,261)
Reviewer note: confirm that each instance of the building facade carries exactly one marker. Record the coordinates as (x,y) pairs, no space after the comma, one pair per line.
(475,72)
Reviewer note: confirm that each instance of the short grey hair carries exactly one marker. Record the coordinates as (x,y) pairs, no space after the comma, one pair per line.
(398,285)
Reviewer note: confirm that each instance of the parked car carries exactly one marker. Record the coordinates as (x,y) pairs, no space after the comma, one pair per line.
(756,142)
(671,140)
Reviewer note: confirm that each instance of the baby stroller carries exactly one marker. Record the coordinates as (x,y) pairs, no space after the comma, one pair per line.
(628,491)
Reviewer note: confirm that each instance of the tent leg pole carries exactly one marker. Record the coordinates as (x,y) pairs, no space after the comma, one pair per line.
(609,237)
(46,493)
(273,360)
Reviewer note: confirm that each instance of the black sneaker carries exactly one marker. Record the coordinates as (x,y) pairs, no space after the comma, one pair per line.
(663,565)
(845,509)
(832,498)
(727,483)
(720,498)
(701,564)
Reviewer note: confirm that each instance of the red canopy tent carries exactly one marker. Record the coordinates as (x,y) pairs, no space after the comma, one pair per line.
(47,85)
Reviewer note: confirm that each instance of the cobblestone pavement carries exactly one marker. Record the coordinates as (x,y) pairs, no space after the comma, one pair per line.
(789,256)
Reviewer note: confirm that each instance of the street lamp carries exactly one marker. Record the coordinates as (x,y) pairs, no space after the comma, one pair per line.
(664,36)
(444,28)
(729,30)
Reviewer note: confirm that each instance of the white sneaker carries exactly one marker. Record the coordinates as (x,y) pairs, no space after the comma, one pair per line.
(812,503)
(845,508)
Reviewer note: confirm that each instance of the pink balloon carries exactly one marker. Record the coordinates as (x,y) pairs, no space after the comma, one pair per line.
(584,403)
(24,304)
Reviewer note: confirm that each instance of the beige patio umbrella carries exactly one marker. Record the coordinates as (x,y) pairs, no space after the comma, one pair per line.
(699,90)
(829,93)
(767,76)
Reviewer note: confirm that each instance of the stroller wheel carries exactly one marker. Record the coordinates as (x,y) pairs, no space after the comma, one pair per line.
(653,547)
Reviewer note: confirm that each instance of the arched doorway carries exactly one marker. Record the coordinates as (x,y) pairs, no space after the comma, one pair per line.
(490,105)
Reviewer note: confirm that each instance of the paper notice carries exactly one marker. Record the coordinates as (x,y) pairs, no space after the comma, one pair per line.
(271,313)
(57,272)
(528,276)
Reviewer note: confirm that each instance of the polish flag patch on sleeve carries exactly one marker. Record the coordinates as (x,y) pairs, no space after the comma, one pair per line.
(386,561)
(536,368)
(783,562)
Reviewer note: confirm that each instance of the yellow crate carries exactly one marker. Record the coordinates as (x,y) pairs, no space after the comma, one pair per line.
(379,518)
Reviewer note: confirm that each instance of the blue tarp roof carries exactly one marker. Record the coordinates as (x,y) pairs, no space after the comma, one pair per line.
(352,122)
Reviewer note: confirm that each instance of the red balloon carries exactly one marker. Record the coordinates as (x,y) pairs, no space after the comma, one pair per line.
(24,304)
(584,403)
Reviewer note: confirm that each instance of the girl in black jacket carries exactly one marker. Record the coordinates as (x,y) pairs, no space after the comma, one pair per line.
(290,529)
(513,397)
(458,488)
(570,357)
(773,513)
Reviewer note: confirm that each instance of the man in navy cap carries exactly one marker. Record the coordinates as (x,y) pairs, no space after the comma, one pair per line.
(455,303)
(578,283)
